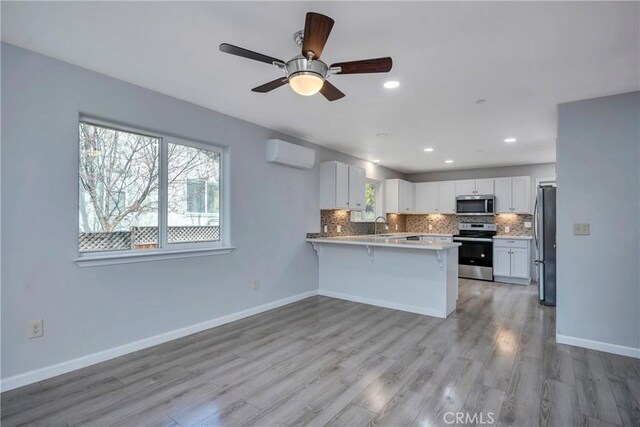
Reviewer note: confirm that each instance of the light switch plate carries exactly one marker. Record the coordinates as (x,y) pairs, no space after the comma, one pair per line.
(339,228)
(507,228)
(527,224)
(430,227)
(325,228)
(581,229)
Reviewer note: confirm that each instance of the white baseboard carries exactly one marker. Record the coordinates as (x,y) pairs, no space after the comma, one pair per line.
(91,359)
(511,280)
(599,345)
(385,304)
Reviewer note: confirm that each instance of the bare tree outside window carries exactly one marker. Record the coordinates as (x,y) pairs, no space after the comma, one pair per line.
(119,190)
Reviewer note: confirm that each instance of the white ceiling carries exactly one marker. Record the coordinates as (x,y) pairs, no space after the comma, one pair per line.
(522,57)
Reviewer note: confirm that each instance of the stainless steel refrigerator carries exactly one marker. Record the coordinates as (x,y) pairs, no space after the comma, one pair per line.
(545,239)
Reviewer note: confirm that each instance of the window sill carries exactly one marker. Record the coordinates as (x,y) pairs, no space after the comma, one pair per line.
(147,256)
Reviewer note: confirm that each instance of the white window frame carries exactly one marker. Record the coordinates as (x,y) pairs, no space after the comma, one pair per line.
(165,249)
(378,208)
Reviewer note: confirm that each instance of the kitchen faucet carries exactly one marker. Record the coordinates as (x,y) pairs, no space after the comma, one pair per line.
(375,227)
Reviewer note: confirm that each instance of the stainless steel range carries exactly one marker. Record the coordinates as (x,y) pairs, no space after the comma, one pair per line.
(475,256)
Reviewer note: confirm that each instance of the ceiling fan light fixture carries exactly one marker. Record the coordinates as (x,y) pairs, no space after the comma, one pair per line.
(306,83)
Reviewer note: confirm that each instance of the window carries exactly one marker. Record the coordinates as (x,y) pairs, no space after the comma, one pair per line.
(141,192)
(198,199)
(372,203)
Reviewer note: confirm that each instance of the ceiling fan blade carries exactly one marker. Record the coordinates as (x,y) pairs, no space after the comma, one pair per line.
(249,54)
(377,65)
(331,92)
(317,28)
(268,87)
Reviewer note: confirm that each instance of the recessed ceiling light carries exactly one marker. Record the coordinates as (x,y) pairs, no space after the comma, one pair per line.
(428,150)
(382,135)
(510,140)
(448,161)
(376,161)
(391,84)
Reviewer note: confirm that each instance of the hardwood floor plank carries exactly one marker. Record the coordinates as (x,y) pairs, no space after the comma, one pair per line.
(559,405)
(558,363)
(496,372)
(595,395)
(355,381)
(451,394)
(73,414)
(521,405)
(482,406)
(376,396)
(351,415)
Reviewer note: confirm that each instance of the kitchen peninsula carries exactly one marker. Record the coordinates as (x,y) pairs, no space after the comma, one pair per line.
(419,276)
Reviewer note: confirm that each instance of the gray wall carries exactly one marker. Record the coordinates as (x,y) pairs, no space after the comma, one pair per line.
(599,183)
(87,310)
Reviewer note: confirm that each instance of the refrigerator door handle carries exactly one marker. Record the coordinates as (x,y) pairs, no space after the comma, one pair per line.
(535,222)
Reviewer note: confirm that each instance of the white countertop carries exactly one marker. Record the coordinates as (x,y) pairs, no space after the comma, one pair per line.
(389,242)
(514,237)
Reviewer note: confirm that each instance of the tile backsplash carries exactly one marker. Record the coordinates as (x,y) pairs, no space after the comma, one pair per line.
(448,224)
(442,224)
(333,218)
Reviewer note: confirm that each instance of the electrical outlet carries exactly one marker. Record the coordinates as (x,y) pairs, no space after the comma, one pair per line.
(256,284)
(386,227)
(35,328)
(527,224)
(430,227)
(506,228)
(396,227)
(581,229)
(325,228)
(339,228)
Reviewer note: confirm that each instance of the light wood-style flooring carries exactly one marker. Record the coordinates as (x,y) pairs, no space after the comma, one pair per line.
(323,361)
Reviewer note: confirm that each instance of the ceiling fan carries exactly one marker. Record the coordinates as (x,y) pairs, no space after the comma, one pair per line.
(306,73)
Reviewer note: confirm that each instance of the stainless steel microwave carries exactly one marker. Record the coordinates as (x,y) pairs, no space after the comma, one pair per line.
(475,205)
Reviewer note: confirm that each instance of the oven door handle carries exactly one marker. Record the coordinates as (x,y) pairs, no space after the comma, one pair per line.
(471,239)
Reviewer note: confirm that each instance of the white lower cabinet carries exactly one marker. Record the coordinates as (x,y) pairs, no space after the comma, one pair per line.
(520,263)
(511,261)
(501,261)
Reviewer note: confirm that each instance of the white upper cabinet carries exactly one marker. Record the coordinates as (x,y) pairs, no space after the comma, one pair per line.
(357,187)
(503,195)
(484,186)
(521,194)
(470,187)
(513,195)
(447,197)
(436,197)
(341,186)
(427,197)
(466,187)
(399,196)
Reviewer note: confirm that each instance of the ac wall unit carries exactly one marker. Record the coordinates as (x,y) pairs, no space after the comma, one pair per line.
(285,153)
